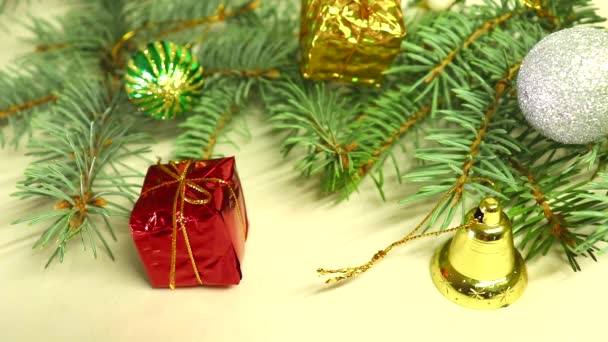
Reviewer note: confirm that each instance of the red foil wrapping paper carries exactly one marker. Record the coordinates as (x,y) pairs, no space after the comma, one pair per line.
(202,202)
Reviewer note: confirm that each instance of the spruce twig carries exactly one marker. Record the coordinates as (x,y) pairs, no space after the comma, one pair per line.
(453,79)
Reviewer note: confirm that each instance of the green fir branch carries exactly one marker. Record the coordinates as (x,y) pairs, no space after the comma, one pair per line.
(453,81)
(553,205)
(161,11)
(210,120)
(86,34)
(21,99)
(476,141)
(259,51)
(313,118)
(77,151)
(238,60)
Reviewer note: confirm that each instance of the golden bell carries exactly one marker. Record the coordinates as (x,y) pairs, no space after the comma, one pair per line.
(479,267)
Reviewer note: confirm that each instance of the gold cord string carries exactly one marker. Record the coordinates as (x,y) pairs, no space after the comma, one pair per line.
(178,220)
(184,24)
(351,272)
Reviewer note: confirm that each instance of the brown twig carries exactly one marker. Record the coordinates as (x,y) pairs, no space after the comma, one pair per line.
(341,152)
(558,229)
(417,117)
(487,27)
(51,47)
(501,87)
(80,202)
(271,73)
(218,128)
(221,15)
(180,25)
(27,105)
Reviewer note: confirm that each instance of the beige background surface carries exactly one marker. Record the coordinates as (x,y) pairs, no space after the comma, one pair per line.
(293,232)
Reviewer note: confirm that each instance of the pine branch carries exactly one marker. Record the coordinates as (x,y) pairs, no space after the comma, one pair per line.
(555,222)
(474,146)
(238,60)
(221,15)
(595,216)
(186,14)
(390,140)
(565,207)
(489,25)
(249,52)
(467,28)
(501,87)
(78,150)
(313,118)
(454,77)
(21,100)
(27,105)
(222,99)
(86,34)
(375,133)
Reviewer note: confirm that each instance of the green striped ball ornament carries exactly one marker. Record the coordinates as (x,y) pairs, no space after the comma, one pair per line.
(164,79)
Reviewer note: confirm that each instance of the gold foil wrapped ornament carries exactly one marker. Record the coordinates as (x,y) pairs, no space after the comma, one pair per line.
(350,40)
(479,267)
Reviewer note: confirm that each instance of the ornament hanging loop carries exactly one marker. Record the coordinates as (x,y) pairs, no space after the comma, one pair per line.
(351,272)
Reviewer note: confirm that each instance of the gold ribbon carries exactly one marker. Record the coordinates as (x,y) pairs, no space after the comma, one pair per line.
(179,220)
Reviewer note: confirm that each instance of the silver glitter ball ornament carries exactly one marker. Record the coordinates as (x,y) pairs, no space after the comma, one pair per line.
(562,87)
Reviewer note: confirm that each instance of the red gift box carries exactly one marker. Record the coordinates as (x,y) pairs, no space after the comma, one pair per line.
(190,225)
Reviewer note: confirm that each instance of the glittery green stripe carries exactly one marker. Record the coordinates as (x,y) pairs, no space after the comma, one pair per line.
(163,79)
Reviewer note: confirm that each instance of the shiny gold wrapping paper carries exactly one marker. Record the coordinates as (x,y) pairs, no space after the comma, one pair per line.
(350,40)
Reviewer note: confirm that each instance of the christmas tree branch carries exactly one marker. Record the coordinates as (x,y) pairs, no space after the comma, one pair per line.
(455,75)
(21,100)
(239,59)
(596,217)
(9,5)
(221,15)
(271,73)
(556,224)
(27,105)
(223,98)
(84,35)
(467,28)
(221,125)
(315,119)
(475,35)
(482,117)
(178,25)
(390,140)
(501,87)
(77,145)
(169,19)
(565,212)
(249,51)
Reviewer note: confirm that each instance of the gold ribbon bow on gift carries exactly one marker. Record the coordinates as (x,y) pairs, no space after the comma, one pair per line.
(179,202)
